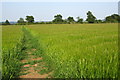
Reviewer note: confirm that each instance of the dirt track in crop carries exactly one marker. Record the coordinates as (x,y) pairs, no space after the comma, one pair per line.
(32,64)
(29,70)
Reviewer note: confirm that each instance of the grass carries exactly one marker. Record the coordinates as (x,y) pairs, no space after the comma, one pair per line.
(80,50)
(11,35)
(12,45)
(11,49)
(0,52)
(70,50)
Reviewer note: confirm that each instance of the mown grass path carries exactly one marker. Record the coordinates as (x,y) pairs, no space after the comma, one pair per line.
(33,65)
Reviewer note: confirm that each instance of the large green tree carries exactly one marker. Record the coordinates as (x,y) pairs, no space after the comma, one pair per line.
(21,21)
(58,19)
(90,17)
(70,19)
(30,19)
(113,18)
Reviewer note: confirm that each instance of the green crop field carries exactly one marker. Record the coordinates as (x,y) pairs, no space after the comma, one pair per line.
(10,38)
(71,50)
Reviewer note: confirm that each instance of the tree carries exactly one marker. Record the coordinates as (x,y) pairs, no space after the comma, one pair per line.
(113,18)
(21,21)
(65,21)
(7,22)
(99,21)
(79,20)
(90,17)
(70,19)
(58,19)
(30,19)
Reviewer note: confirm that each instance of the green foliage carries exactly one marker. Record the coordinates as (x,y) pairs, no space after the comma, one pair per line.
(70,20)
(42,22)
(46,22)
(6,23)
(58,19)
(90,17)
(99,21)
(80,20)
(113,18)
(30,19)
(21,21)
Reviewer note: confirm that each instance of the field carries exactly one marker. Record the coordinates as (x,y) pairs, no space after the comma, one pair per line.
(10,36)
(10,58)
(73,50)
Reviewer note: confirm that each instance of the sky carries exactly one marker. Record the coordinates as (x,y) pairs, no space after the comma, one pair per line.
(45,11)
(59,0)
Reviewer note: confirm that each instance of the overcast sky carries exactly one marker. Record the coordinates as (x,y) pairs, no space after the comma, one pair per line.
(45,11)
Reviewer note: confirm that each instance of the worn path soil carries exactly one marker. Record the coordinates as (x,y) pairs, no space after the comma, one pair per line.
(33,65)
(29,70)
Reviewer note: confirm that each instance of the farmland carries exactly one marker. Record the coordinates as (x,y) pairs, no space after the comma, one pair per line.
(10,38)
(72,50)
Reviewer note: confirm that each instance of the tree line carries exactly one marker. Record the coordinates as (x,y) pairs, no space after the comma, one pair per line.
(114,18)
